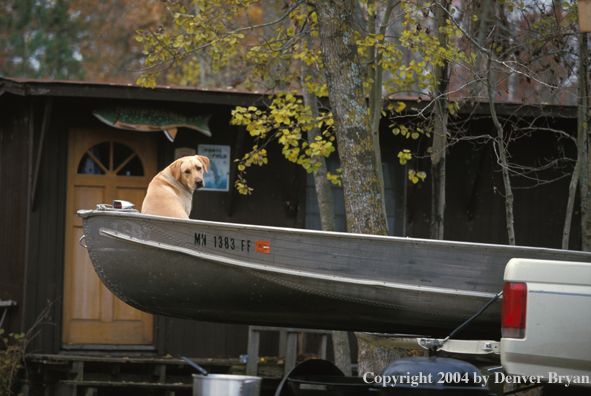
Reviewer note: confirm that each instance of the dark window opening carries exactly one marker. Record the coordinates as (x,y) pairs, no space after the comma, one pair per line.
(110,157)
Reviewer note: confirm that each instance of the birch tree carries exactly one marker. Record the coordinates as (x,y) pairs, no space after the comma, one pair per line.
(580,173)
(439,147)
(340,339)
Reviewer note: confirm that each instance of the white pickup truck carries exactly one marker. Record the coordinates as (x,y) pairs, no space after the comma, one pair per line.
(546,323)
(546,331)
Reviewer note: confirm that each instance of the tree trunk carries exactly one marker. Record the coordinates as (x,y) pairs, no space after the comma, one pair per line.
(340,339)
(321,181)
(585,181)
(572,192)
(438,150)
(363,189)
(583,145)
(438,181)
(375,358)
(491,90)
(484,22)
(580,166)
(375,75)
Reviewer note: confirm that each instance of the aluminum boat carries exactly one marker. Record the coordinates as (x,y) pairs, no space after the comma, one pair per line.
(257,275)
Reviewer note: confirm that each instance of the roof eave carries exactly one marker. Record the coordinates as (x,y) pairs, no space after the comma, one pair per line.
(48,88)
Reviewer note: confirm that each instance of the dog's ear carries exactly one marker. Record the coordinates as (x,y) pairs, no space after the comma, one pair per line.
(175,168)
(205,162)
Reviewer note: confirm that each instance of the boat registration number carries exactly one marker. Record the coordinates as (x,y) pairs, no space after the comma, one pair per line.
(244,245)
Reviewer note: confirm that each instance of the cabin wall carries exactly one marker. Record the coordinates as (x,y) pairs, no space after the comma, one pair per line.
(475,203)
(44,277)
(14,187)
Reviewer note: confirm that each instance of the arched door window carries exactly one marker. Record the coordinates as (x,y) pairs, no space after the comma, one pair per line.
(110,158)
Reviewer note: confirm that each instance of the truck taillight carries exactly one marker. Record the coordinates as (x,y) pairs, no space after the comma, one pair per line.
(514,310)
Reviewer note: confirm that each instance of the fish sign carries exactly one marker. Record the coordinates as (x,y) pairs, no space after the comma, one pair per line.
(146,119)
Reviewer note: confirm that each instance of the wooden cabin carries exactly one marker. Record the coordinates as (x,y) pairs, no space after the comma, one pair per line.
(56,157)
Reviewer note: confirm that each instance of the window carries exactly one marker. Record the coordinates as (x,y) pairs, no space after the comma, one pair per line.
(110,158)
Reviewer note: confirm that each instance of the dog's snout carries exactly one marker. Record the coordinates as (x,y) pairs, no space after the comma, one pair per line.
(199,183)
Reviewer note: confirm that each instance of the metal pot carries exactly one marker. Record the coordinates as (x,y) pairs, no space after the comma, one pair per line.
(226,384)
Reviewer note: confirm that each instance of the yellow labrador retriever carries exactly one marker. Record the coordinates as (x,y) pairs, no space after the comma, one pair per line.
(170,193)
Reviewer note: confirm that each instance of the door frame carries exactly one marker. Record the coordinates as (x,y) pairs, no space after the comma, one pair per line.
(145,146)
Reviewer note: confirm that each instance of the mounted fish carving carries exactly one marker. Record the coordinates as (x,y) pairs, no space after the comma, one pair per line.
(147,119)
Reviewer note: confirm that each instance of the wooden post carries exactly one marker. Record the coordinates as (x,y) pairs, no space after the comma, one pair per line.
(252,363)
(282,342)
(160,373)
(91,392)
(291,352)
(323,346)
(78,370)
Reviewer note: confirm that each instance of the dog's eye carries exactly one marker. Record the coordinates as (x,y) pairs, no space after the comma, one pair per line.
(188,172)
(198,168)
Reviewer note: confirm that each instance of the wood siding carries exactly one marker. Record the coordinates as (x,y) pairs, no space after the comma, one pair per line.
(475,205)
(46,234)
(14,191)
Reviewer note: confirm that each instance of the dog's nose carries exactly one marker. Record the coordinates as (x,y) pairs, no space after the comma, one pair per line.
(199,183)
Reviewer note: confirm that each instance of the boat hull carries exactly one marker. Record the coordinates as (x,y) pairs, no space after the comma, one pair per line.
(254,275)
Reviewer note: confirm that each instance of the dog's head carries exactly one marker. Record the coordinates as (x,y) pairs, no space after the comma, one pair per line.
(189,171)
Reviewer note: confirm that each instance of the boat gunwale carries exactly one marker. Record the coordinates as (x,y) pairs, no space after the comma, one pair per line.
(86,213)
